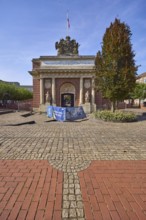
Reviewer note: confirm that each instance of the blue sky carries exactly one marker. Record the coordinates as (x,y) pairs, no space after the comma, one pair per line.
(30,28)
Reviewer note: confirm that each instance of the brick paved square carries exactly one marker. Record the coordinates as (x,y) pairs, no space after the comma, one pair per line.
(29,153)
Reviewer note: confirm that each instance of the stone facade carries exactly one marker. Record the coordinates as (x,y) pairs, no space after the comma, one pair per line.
(141,79)
(63,80)
(71,75)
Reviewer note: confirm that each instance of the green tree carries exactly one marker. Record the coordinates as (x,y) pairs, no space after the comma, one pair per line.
(23,94)
(115,64)
(139,92)
(12,92)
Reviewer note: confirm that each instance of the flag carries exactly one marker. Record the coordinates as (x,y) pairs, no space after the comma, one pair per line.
(68,22)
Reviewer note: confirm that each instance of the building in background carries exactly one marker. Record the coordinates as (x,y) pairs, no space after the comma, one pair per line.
(28,87)
(141,78)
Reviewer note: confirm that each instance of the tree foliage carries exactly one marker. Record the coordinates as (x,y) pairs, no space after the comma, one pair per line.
(12,92)
(139,91)
(115,64)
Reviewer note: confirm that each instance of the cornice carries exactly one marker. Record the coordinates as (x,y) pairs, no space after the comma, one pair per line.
(61,71)
(67,75)
(62,57)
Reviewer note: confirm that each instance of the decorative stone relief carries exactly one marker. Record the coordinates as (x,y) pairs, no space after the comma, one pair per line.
(67,88)
(47,83)
(87,83)
(48,97)
(87,96)
(67,46)
(36,64)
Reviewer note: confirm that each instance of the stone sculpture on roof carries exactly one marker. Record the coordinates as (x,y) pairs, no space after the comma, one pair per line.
(67,47)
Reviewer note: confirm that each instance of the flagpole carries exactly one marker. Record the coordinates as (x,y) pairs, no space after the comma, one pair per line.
(68,24)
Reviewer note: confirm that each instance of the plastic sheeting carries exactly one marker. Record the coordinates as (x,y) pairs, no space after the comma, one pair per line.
(65,113)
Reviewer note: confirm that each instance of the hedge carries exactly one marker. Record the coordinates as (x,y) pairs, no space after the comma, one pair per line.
(117,116)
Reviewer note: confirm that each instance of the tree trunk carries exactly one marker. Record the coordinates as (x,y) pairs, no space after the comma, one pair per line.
(139,103)
(113,106)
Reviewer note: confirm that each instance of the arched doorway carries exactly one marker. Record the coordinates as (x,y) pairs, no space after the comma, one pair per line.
(67,100)
(67,92)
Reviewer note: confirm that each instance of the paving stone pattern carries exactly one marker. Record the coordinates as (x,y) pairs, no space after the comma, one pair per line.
(114,190)
(70,147)
(30,190)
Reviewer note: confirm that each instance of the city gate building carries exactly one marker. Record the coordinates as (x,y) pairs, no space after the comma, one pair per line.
(65,80)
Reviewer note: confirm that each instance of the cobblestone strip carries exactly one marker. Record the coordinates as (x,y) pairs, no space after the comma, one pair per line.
(72,197)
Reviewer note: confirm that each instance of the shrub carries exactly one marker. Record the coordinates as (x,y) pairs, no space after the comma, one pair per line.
(117,116)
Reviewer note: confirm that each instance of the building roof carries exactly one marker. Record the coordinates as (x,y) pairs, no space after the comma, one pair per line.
(141,75)
(63,64)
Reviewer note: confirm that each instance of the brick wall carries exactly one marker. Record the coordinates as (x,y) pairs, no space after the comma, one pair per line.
(36,93)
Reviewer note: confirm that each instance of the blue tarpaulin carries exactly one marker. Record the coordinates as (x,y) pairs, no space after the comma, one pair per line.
(65,113)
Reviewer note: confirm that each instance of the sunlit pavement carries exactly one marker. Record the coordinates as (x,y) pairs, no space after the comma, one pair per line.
(71,170)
